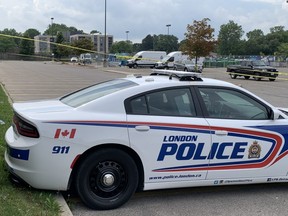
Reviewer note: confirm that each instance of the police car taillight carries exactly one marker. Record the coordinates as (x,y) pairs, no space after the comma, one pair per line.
(24,128)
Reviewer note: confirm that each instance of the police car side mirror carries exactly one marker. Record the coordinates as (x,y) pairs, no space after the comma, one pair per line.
(275,114)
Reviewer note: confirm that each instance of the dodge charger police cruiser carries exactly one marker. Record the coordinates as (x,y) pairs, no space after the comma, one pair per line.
(166,130)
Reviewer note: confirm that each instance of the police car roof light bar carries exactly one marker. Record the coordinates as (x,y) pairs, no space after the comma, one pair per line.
(182,76)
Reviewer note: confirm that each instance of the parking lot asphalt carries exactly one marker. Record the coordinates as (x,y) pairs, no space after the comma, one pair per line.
(43,80)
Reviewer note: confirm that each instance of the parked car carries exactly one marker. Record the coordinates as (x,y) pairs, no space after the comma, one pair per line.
(168,130)
(188,65)
(252,68)
(74,59)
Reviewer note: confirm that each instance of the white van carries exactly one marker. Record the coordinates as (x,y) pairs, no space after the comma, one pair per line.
(145,59)
(168,61)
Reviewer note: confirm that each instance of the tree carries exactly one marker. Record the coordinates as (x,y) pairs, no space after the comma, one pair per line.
(59,50)
(199,39)
(8,43)
(229,39)
(54,28)
(255,43)
(282,50)
(148,43)
(27,45)
(95,32)
(166,43)
(275,38)
(82,45)
(74,31)
(122,47)
(137,47)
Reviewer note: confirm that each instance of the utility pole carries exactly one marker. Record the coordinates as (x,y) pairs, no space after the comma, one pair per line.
(105,40)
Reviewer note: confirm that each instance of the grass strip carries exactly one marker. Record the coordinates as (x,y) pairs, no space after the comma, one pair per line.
(17,200)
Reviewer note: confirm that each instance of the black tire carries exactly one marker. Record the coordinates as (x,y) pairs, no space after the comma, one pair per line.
(135,66)
(257,76)
(272,79)
(246,77)
(233,76)
(185,69)
(107,179)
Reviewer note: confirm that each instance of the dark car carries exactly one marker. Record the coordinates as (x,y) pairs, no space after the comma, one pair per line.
(255,68)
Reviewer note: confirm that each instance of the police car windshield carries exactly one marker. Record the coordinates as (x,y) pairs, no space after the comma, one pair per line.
(90,93)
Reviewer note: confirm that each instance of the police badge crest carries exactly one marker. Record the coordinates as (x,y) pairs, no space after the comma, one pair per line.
(254,150)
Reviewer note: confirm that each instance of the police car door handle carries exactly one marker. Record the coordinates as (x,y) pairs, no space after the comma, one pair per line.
(221,133)
(142,128)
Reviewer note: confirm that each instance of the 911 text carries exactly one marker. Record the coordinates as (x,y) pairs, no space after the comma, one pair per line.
(60,149)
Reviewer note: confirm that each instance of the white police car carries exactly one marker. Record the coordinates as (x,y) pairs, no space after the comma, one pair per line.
(167,130)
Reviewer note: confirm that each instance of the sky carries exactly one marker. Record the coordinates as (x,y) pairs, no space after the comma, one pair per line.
(142,17)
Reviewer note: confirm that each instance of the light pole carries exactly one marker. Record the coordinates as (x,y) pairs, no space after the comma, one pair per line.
(52,39)
(127,32)
(52,28)
(168,25)
(104,62)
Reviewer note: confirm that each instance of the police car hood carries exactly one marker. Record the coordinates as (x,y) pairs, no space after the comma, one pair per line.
(36,107)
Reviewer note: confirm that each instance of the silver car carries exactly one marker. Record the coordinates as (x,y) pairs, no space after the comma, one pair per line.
(188,65)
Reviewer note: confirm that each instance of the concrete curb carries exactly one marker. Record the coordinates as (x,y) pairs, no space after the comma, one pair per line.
(64,208)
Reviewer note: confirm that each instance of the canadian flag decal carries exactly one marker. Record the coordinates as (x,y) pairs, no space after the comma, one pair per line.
(65,133)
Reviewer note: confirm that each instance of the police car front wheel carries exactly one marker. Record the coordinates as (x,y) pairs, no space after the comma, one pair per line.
(107,179)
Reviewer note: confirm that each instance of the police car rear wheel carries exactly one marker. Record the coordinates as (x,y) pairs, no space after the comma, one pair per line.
(107,179)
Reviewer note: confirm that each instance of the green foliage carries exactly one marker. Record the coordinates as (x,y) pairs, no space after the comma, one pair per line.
(60,51)
(283,50)
(84,44)
(166,43)
(229,41)
(148,42)
(199,39)
(229,38)
(95,32)
(255,43)
(54,28)
(19,201)
(31,33)
(26,47)
(275,38)
(9,44)
(122,47)
(137,47)
(160,42)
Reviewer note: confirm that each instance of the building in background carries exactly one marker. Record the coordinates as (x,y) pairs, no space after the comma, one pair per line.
(43,45)
(97,39)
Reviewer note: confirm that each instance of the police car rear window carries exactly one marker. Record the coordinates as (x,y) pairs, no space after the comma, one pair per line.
(91,93)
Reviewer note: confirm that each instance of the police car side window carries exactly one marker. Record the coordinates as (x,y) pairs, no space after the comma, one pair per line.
(138,106)
(169,102)
(231,104)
